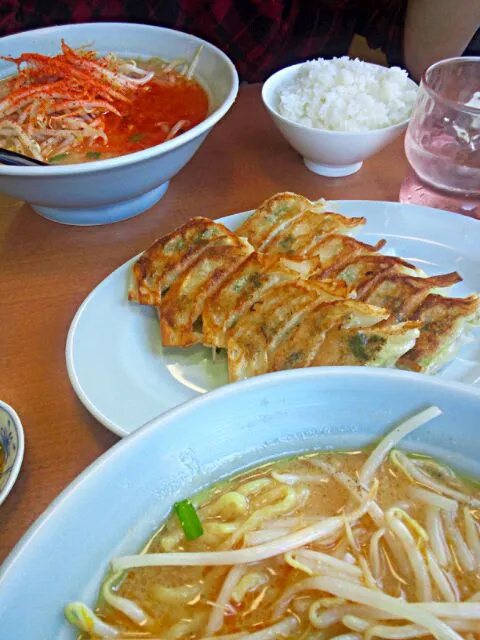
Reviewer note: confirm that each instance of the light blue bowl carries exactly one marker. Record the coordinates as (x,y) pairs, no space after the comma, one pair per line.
(117,502)
(110,190)
(12,445)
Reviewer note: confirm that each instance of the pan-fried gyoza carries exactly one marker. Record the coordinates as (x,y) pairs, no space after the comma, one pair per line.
(291,224)
(301,337)
(305,235)
(443,321)
(182,305)
(260,332)
(291,288)
(160,265)
(273,216)
(361,268)
(378,346)
(335,250)
(401,294)
(244,287)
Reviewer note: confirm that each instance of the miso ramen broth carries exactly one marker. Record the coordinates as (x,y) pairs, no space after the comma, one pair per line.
(81,107)
(367,549)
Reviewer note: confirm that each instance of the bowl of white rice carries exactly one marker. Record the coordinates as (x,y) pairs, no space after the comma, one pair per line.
(337,113)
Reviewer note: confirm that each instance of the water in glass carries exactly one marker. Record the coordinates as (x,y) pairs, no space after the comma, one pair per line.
(442,142)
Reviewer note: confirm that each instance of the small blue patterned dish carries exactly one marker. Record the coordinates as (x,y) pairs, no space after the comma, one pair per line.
(11,448)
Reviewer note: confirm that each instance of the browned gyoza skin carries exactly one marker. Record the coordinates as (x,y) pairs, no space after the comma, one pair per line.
(158,267)
(304,236)
(378,346)
(443,321)
(292,289)
(291,224)
(271,217)
(301,343)
(402,294)
(335,250)
(359,268)
(267,334)
(239,292)
(183,303)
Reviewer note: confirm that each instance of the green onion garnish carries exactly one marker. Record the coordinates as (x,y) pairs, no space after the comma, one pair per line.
(60,156)
(137,137)
(191,525)
(93,154)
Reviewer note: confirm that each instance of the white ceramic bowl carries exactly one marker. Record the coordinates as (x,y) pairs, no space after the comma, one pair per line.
(114,506)
(328,153)
(12,444)
(110,190)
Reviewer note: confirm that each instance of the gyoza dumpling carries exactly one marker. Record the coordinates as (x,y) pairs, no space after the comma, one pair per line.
(402,294)
(446,324)
(358,271)
(378,346)
(259,331)
(303,236)
(239,292)
(336,249)
(158,266)
(182,305)
(300,345)
(272,216)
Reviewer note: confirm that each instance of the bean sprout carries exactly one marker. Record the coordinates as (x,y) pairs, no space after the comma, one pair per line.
(436,536)
(239,556)
(126,606)
(433,499)
(378,600)
(462,551)
(216,617)
(378,455)
(473,537)
(412,471)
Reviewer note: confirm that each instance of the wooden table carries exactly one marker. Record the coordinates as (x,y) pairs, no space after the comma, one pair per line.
(47,269)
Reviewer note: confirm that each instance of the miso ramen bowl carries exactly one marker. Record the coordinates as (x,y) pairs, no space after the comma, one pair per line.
(113,189)
(117,503)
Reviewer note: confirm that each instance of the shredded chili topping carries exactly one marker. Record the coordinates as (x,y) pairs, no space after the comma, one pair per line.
(101,106)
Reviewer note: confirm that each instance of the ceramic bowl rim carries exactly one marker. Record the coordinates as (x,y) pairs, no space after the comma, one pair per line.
(145,154)
(164,421)
(270,84)
(17,463)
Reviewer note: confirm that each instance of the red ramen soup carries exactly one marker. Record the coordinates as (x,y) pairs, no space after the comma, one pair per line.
(79,107)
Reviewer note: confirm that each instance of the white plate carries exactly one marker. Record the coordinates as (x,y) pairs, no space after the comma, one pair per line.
(124,376)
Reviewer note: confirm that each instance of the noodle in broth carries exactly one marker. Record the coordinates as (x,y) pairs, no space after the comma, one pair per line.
(341,545)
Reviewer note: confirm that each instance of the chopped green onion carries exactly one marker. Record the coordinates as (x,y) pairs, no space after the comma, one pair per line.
(137,137)
(60,156)
(93,154)
(191,525)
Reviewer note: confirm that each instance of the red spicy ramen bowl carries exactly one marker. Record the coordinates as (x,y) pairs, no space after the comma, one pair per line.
(113,110)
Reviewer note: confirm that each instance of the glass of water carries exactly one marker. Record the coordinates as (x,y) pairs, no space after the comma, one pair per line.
(442,142)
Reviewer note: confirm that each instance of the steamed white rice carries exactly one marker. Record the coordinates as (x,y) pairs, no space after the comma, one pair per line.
(347,95)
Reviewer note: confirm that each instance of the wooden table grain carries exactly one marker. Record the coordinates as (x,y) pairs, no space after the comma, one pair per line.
(47,269)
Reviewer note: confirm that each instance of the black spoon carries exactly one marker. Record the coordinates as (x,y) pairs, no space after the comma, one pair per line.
(14,159)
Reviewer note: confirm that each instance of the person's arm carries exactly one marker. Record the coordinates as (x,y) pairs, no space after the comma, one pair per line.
(436,29)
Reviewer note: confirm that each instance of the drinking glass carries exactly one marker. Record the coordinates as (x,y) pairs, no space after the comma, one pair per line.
(442,142)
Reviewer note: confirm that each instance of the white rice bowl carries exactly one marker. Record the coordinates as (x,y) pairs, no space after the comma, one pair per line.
(347,95)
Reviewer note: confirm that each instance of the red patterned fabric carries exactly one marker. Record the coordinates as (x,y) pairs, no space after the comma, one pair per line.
(260,36)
